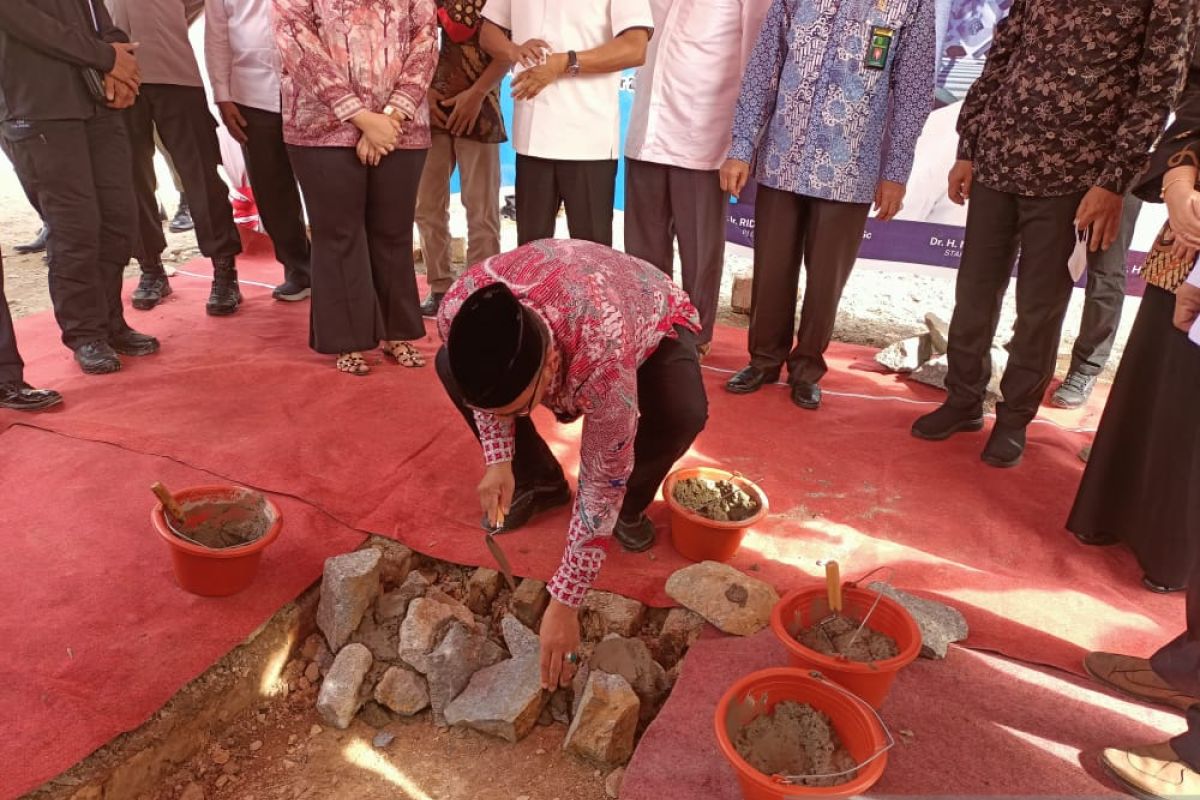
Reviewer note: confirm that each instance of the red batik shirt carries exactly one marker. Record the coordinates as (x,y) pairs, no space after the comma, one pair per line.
(607,312)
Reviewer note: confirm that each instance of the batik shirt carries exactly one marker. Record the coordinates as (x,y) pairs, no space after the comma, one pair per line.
(462,62)
(822,122)
(343,57)
(1074,93)
(607,312)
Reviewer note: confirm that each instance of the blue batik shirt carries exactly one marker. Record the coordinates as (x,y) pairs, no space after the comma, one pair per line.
(820,120)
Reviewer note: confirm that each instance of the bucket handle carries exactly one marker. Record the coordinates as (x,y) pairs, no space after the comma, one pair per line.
(794,780)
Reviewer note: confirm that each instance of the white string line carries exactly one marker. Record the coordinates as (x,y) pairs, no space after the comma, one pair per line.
(209,278)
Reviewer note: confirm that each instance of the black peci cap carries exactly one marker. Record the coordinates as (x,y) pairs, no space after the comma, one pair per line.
(495,347)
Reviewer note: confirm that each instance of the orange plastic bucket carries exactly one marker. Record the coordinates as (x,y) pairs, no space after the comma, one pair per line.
(802,608)
(208,572)
(855,722)
(699,538)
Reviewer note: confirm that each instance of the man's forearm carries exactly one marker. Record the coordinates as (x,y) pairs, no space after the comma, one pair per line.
(492,76)
(496,42)
(27,23)
(624,52)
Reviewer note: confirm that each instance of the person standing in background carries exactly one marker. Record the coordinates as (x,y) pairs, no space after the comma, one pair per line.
(567,107)
(832,104)
(467,130)
(243,68)
(15,393)
(685,95)
(173,101)
(356,121)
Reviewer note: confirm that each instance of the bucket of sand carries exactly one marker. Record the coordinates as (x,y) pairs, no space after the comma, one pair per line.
(695,534)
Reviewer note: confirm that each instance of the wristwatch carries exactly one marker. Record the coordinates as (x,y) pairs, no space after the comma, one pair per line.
(392,111)
(572,63)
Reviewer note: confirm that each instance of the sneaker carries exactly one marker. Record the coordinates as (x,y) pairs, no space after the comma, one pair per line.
(290,292)
(225,296)
(38,244)
(23,397)
(151,289)
(182,221)
(132,343)
(97,358)
(1075,390)
(947,421)
(432,304)
(1005,447)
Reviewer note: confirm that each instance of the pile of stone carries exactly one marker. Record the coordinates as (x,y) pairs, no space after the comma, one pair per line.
(923,358)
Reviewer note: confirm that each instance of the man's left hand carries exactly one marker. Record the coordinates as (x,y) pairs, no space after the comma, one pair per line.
(120,95)
(465,106)
(1101,211)
(889,199)
(560,638)
(1187,310)
(530,83)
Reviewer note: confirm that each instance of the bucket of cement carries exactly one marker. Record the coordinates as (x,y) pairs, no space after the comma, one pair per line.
(792,733)
(228,527)
(711,510)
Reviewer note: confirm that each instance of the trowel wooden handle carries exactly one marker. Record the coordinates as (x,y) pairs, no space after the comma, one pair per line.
(833,585)
(170,504)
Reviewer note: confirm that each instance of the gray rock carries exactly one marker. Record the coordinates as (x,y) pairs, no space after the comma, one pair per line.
(612,784)
(529,602)
(395,603)
(506,699)
(403,691)
(375,715)
(451,665)
(426,621)
(631,659)
(382,639)
(603,613)
(729,599)
(679,632)
(932,372)
(906,355)
(395,562)
(383,739)
(940,624)
(349,585)
(939,332)
(339,700)
(482,589)
(605,725)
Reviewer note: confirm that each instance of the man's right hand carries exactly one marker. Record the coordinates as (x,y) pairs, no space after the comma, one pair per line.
(961,176)
(436,112)
(235,123)
(734,175)
(529,54)
(119,95)
(496,492)
(125,67)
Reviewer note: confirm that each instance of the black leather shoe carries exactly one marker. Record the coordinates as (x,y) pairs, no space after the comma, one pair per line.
(225,296)
(151,289)
(23,397)
(806,395)
(132,343)
(528,502)
(1004,447)
(290,292)
(1098,539)
(1160,588)
(182,221)
(750,379)
(947,421)
(636,536)
(97,358)
(37,245)
(432,304)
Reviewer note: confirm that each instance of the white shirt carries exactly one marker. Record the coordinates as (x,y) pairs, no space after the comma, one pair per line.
(688,88)
(239,48)
(574,118)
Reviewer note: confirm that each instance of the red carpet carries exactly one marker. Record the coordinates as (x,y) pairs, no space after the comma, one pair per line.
(243,398)
(973,725)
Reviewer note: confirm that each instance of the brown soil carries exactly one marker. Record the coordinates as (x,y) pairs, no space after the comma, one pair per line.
(836,637)
(226,524)
(795,739)
(720,501)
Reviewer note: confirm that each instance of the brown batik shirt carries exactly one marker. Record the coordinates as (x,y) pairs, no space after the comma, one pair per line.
(1075,93)
(462,62)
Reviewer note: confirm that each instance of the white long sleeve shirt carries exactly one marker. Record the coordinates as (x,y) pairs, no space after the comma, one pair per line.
(239,48)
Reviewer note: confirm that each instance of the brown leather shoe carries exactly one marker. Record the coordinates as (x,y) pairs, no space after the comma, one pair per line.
(1134,678)
(1152,771)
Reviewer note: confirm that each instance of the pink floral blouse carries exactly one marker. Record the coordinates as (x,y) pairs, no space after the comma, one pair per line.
(341,57)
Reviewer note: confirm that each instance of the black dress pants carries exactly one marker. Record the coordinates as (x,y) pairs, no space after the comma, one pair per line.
(672,411)
(78,171)
(999,225)
(826,235)
(587,188)
(189,132)
(12,368)
(276,193)
(363,280)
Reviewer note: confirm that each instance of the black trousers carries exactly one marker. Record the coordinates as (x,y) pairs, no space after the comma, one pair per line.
(1105,297)
(826,235)
(672,411)
(999,225)
(78,172)
(12,368)
(363,281)
(664,204)
(587,188)
(189,132)
(276,193)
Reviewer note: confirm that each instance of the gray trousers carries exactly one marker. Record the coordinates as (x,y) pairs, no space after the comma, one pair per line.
(665,204)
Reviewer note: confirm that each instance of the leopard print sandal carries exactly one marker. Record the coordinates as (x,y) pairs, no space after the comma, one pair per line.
(404,353)
(353,364)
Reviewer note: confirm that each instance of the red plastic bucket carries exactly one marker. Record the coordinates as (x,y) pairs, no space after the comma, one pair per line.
(855,722)
(872,681)
(208,572)
(702,539)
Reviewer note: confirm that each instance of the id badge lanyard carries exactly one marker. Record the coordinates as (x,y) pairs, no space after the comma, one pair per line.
(880,39)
